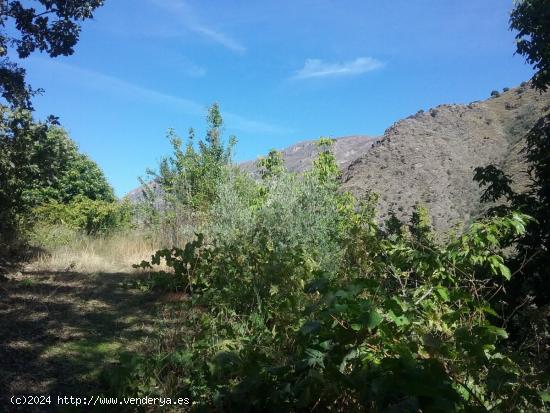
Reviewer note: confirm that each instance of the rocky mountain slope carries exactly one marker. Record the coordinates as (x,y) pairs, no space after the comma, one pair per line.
(136,195)
(430,157)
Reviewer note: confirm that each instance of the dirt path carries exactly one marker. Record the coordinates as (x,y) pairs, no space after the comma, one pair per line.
(58,330)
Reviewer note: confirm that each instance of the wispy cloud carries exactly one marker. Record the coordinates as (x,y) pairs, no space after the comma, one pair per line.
(316,68)
(218,37)
(110,84)
(185,14)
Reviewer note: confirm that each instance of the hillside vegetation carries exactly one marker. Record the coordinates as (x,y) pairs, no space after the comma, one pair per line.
(302,296)
(300,156)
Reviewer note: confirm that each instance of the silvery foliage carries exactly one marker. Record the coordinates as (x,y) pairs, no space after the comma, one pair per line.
(289,211)
(232,215)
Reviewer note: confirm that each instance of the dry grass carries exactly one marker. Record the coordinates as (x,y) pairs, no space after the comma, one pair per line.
(85,254)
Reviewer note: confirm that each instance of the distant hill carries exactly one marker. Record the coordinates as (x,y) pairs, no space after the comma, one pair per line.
(430,157)
(136,195)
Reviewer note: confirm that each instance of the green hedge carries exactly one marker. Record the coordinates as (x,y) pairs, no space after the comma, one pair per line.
(90,216)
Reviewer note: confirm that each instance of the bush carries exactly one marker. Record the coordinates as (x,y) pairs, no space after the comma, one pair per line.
(52,236)
(292,212)
(495,93)
(90,216)
(399,323)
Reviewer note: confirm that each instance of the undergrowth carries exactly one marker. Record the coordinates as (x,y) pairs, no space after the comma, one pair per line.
(299,299)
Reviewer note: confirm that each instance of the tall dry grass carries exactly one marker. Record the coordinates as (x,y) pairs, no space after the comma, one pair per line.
(88,254)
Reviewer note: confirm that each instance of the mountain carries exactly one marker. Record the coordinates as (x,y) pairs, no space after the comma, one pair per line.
(430,157)
(136,195)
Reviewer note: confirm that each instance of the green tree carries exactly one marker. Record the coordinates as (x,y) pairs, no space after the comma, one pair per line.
(77,174)
(325,165)
(531,20)
(272,165)
(190,176)
(421,227)
(25,163)
(525,302)
(50,26)
(39,163)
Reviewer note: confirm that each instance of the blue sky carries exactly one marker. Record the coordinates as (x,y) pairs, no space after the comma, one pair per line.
(282,71)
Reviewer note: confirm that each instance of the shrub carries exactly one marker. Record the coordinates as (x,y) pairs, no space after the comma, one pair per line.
(290,211)
(495,93)
(89,216)
(51,236)
(400,323)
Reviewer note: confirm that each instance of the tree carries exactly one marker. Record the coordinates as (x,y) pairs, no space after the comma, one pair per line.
(325,166)
(190,176)
(23,163)
(39,163)
(531,19)
(50,26)
(272,165)
(526,300)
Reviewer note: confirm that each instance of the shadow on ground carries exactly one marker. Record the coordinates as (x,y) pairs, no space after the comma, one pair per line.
(59,329)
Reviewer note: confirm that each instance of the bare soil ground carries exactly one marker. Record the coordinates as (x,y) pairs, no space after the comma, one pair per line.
(59,329)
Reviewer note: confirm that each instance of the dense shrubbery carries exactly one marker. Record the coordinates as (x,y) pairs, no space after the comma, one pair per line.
(89,216)
(301,300)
